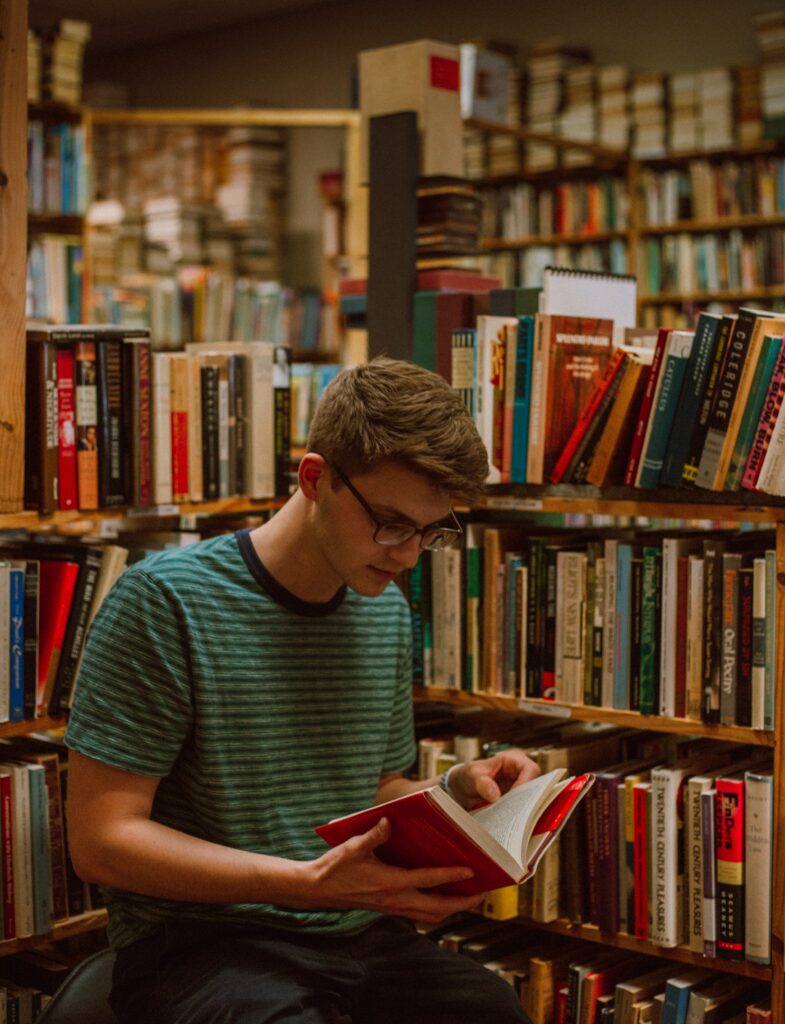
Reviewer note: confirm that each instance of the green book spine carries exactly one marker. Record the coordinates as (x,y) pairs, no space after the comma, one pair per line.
(649,661)
(764,369)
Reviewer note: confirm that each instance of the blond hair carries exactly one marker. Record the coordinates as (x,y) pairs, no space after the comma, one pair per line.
(393,410)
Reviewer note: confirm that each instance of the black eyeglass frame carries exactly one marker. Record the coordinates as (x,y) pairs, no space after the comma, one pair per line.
(451,533)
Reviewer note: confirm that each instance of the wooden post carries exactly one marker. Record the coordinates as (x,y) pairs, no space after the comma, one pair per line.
(13,248)
(392,241)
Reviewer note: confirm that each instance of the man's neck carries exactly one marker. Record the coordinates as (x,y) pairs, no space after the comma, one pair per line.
(285,544)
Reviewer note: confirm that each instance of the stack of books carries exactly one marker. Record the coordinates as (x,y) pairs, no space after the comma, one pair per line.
(649,118)
(449,218)
(749,113)
(684,128)
(717,108)
(34,67)
(613,106)
(546,68)
(62,65)
(770,33)
(578,118)
(176,226)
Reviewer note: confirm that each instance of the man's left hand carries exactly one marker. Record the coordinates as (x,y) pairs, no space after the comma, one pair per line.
(485,780)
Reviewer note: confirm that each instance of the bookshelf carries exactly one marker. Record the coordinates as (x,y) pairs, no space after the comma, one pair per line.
(518,509)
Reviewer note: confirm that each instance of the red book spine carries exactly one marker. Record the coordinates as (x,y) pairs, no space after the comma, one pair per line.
(768,416)
(145,436)
(6,818)
(641,861)
(730,867)
(652,373)
(180,456)
(66,429)
(587,415)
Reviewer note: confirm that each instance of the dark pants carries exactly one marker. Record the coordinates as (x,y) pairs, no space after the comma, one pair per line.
(388,974)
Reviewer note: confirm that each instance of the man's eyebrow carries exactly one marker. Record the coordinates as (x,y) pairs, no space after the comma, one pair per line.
(396,515)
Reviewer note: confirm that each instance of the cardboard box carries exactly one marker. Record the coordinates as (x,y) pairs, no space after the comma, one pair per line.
(423,76)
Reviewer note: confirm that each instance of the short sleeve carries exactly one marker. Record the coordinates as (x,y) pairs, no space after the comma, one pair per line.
(401,748)
(133,705)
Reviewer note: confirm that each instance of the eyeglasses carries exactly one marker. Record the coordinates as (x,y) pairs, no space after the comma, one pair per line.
(432,538)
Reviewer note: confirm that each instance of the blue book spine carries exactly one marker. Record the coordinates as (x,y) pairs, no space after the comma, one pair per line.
(621,667)
(16,698)
(520,416)
(672,381)
(39,845)
(510,681)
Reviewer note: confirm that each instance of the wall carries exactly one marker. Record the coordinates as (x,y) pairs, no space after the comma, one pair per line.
(306,58)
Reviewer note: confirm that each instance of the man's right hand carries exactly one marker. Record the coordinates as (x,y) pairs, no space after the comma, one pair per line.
(351,875)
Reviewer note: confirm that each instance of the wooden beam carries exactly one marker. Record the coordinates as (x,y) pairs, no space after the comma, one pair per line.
(13,248)
(238,116)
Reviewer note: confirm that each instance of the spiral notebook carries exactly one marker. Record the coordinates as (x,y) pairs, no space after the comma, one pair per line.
(591,293)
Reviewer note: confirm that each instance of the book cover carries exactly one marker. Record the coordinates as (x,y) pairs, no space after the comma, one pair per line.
(58,580)
(137,410)
(66,430)
(210,432)
(731,564)
(463,369)
(281,378)
(16,642)
(524,354)
(111,489)
(708,802)
(758,668)
(502,842)
(489,418)
(759,387)
(641,798)
(580,349)
(769,413)
(179,420)
(650,646)
(688,408)
(713,550)
(587,414)
(161,425)
(31,627)
(86,413)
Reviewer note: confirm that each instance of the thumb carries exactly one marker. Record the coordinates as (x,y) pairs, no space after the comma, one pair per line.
(368,841)
(488,789)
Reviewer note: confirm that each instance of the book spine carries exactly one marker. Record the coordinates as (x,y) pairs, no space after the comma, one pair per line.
(712,631)
(709,844)
(690,471)
(667,858)
(768,416)
(641,854)
(758,671)
(143,426)
(111,491)
(162,428)
(623,628)
(16,644)
(651,373)
(282,417)
(730,867)
(743,710)
(758,838)
(724,399)
(771,639)
(730,638)
(607,852)
(41,449)
(662,420)
(761,380)
(237,370)
(520,417)
(6,854)
(463,366)
(66,462)
(31,638)
(581,460)
(694,863)
(649,646)
(86,423)
(76,632)
(210,427)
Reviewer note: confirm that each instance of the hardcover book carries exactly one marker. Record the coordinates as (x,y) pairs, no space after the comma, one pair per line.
(502,842)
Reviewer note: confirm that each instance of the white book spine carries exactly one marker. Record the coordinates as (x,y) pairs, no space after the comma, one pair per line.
(666,918)
(670,569)
(693,841)
(694,653)
(261,432)
(758,826)
(162,429)
(195,469)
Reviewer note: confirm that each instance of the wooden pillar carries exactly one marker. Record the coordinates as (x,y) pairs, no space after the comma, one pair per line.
(13,248)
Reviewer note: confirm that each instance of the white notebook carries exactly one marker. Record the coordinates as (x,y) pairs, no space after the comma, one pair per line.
(591,293)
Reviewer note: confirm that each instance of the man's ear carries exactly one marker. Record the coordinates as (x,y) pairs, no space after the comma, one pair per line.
(311,471)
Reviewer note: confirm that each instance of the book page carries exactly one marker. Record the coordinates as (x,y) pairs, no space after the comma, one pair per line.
(511,819)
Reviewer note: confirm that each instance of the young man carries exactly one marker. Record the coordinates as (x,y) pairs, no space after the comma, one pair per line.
(237,693)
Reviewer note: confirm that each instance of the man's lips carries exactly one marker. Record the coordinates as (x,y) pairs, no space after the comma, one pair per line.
(387,573)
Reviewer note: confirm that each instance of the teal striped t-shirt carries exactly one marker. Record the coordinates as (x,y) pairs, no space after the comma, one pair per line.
(263,715)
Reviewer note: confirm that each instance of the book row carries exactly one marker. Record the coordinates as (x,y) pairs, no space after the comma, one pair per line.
(527,262)
(569,981)
(681,626)
(672,844)
(555,399)
(111,423)
(198,304)
(705,190)
(737,260)
(56,168)
(570,208)
(55,279)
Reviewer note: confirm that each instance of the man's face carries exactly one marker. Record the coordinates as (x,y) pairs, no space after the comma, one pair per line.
(345,529)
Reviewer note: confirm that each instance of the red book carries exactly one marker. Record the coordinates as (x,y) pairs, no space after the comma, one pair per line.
(652,374)
(729,825)
(179,421)
(576,352)
(86,393)
(429,829)
(66,429)
(455,280)
(640,817)
(587,415)
(56,590)
(6,851)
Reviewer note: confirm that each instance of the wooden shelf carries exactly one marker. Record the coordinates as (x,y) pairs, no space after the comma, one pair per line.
(619,940)
(529,241)
(764,291)
(720,224)
(55,223)
(65,929)
(29,725)
(666,503)
(586,713)
(54,112)
(225,506)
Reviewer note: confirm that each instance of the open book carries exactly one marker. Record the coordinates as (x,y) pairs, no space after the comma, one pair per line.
(502,842)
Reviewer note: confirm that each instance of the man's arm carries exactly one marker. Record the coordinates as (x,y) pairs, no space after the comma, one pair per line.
(114,842)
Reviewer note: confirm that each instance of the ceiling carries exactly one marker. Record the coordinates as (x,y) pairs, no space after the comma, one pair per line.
(116,26)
